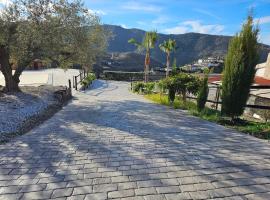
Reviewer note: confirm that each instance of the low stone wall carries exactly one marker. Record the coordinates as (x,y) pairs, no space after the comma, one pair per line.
(131,76)
(122,76)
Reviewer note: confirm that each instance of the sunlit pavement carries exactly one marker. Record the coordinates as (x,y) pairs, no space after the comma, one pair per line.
(111,144)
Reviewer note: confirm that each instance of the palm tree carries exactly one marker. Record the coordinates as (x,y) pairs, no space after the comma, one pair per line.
(167,47)
(146,45)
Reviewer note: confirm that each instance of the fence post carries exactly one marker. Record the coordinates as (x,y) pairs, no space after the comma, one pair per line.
(217,97)
(69,84)
(76,87)
(84,73)
(69,87)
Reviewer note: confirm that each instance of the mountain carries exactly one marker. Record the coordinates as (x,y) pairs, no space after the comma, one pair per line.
(191,46)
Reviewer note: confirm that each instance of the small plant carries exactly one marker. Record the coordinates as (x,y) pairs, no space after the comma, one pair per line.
(149,87)
(203,93)
(138,86)
(88,80)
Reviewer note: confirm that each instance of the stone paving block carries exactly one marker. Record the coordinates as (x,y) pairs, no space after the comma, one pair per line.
(145,191)
(82,190)
(104,188)
(168,189)
(127,185)
(155,197)
(10,196)
(121,194)
(200,195)
(178,196)
(46,194)
(150,183)
(65,192)
(96,196)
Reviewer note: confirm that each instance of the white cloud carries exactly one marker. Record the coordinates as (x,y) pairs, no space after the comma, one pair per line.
(263,20)
(160,20)
(97,12)
(176,30)
(195,26)
(135,6)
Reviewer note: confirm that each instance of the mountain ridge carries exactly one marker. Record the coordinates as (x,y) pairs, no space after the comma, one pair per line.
(191,46)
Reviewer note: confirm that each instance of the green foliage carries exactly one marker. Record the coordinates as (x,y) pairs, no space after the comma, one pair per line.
(149,87)
(174,67)
(167,47)
(88,80)
(142,87)
(146,45)
(58,31)
(181,83)
(138,86)
(203,93)
(239,69)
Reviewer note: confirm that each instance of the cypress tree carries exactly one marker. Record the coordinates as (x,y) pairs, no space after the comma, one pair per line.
(203,93)
(239,71)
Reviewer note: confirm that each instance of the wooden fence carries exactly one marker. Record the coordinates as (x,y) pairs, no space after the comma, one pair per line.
(79,78)
(217,99)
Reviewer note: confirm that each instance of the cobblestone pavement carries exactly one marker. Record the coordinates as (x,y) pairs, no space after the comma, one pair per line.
(111,144)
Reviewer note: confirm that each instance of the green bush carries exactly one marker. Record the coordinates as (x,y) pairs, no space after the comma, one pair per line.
(88,79)
(138,86)
(149,87)
(146,88)
(181,83)
(202,94)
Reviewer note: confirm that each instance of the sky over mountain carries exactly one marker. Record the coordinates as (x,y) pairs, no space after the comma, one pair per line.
(181,16)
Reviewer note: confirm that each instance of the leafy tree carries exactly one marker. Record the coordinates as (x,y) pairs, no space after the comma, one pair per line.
(186,83)
(203,92)
(181,83)
(239,71)
(55,31)
(146,45)
(167,47)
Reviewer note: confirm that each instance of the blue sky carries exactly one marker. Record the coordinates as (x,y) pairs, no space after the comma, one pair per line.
(222,17)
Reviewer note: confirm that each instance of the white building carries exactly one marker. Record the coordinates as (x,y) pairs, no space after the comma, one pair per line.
(263,69)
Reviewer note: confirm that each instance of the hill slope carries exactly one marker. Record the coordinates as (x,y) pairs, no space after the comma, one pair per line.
(191,46)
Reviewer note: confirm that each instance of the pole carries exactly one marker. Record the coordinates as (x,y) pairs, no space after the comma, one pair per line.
(76,87)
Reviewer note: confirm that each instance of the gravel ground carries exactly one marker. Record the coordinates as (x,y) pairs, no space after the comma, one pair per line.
(17,109)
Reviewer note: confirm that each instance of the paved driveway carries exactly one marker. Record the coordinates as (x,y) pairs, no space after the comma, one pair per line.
(111,144)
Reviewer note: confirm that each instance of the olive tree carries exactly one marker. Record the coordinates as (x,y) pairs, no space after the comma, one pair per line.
(55,31)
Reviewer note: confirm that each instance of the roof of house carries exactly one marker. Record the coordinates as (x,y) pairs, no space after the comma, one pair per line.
(258,80)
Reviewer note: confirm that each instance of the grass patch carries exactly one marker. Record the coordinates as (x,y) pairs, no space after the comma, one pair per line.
(257,129)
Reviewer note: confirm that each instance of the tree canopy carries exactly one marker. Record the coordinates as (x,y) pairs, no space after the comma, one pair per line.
(56,31)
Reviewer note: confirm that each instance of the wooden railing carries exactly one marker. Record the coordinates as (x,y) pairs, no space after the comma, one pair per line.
(79,78)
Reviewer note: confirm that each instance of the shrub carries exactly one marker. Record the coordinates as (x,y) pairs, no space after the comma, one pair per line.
(186,83)
(239,70)
(88,80)
(181,83)
(149,87)
(138,86)
(203,94)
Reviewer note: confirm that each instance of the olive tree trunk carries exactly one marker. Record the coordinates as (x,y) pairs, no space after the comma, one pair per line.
(11,81)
